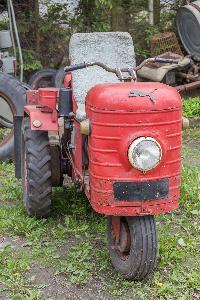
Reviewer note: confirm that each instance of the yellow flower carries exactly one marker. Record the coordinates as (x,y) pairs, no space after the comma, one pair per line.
(159,284)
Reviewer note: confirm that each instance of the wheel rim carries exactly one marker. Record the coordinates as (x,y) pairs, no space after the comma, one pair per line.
(7,111)
(121,238)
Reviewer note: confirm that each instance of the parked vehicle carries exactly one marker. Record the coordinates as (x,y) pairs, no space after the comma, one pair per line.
(121,144)
(185,75)
(12,92)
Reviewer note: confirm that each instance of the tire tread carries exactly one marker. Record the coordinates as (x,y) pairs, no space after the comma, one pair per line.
(38,199)
(142,258)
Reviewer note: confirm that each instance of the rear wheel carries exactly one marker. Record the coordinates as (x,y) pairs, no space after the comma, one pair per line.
(133,245)
(36,171)
(12,100)
(43,78)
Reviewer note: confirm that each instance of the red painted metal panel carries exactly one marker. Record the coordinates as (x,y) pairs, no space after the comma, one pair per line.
(116,121)
(49,121)
(43,96)
(42,107)
(48,97)
(32,97)
(115,97)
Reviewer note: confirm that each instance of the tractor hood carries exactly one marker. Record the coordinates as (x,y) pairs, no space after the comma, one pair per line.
(140,96)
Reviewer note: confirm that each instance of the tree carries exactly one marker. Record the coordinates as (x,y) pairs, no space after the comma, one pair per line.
(156,12)
(27,16)
(119,16)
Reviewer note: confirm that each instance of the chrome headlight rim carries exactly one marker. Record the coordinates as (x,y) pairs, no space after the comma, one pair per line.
(135,143)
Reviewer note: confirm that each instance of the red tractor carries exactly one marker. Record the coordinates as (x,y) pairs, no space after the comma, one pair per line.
(118,139)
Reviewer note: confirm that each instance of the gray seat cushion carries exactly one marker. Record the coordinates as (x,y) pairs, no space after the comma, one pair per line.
(112,48)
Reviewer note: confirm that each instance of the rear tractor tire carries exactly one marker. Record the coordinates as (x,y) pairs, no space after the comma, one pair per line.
(43,78)
(36,172)
(133,245)
(12,101)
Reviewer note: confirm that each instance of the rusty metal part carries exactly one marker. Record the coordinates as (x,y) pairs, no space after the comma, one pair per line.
(121,236)
(165,42)
(116,225)
(189,77)
(125,239)
(188,86)
(132,76)
(185,123)
(85,127)
(57,177)
(167,55)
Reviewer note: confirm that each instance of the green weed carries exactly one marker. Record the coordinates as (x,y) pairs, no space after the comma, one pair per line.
(191,107)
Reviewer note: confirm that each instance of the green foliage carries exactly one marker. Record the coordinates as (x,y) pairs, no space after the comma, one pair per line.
(78,263)
(191,107)
(30,62)
(4,132)
(9,187)
(3,24)
(13,267)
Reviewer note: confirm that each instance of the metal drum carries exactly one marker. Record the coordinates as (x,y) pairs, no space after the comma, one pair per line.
(5,39)
(188,25)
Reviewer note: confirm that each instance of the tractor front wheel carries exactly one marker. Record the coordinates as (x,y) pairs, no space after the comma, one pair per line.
(133,245)
(36,171)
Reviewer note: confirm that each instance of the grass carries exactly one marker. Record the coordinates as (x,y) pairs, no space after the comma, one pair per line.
(72,242)
(4,132)
(191,107)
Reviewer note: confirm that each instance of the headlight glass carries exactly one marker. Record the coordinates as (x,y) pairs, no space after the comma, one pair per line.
(145,153)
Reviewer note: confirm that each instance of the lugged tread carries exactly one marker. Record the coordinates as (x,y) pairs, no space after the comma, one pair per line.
(142,257)
(38,198)
(15,93)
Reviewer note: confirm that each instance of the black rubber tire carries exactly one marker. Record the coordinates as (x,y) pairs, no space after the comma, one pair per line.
(59,78)
(15,93)
(43,78)
(141,259)
(36,172)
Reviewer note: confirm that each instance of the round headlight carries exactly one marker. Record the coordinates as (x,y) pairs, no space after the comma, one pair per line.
(145,153)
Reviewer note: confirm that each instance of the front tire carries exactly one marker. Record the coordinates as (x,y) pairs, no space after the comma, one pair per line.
(36,172)
(133,245)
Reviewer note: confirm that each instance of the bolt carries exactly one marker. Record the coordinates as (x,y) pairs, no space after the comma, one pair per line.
(37,123)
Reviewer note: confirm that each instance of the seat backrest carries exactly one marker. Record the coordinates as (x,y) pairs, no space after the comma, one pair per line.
(115,49)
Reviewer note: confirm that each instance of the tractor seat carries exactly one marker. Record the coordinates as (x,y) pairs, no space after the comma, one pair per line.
(114,49)
(157,71)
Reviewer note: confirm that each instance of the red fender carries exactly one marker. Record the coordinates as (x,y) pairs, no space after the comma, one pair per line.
(42,120)
(41,108)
